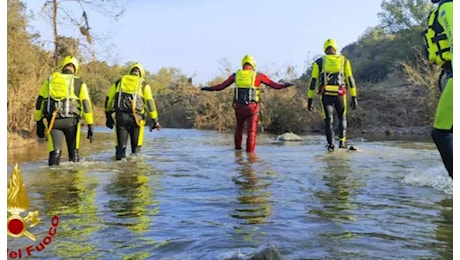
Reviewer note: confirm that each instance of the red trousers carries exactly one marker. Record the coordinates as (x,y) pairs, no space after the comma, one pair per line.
(246,113)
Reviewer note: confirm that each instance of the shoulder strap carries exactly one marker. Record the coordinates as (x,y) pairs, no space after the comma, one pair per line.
(118,85)
(48,106)
(343,64)
(144,83)
(321,64)
(77,86)
(432,21)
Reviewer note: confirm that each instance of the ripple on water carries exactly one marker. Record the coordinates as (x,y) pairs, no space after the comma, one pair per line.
(191,196)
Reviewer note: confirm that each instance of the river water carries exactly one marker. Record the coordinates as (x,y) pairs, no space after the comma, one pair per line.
(191,196)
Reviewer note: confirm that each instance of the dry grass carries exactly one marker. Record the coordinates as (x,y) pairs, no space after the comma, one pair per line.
(16,141)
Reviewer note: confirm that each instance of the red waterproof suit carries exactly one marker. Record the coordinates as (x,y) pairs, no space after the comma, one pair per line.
(247,112)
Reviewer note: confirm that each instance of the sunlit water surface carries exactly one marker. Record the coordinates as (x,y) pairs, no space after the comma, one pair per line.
(191,196)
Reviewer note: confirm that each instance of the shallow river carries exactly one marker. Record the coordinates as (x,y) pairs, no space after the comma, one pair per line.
(191,196)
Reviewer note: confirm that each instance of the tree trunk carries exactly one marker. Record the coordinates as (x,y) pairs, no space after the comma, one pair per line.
(55,34)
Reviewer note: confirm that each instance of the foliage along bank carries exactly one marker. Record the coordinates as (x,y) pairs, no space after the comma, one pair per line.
(396,85)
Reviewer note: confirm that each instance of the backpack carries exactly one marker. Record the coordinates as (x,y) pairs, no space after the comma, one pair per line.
(437,45)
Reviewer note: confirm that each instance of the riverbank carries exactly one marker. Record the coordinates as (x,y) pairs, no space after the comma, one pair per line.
(384,130)
(16,141)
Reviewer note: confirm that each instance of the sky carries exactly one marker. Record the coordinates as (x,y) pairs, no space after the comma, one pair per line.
(202,37)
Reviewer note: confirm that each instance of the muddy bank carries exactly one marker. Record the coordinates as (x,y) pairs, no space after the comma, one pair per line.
(420,131)
(383,131)
(22,149)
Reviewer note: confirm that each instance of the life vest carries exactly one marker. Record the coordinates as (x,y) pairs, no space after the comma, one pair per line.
(437,45)
(246,92)
(130,93)
(332,77)
(63,92)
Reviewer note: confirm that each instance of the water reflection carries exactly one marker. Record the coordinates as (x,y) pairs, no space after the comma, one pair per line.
(253,197)
(133,204)
(336,199)
(133,196)
(111,210)
(444,230)
(70,194)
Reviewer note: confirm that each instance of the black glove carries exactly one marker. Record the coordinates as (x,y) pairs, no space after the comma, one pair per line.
(154,125)
(40,129)
(354,103)
(206,89)
(287,85)
(109,120)
(90,133)
(310,103)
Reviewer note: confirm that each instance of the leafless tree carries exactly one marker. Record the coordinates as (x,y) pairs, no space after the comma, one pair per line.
(67,12)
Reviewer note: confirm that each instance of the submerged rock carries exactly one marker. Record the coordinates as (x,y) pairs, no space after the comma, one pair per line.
(264,252)
(269,252)
(288,137)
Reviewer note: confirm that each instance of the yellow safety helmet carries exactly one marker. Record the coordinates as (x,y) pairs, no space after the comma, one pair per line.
(140,67)
(249,60)
(330,43)
(70,60)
